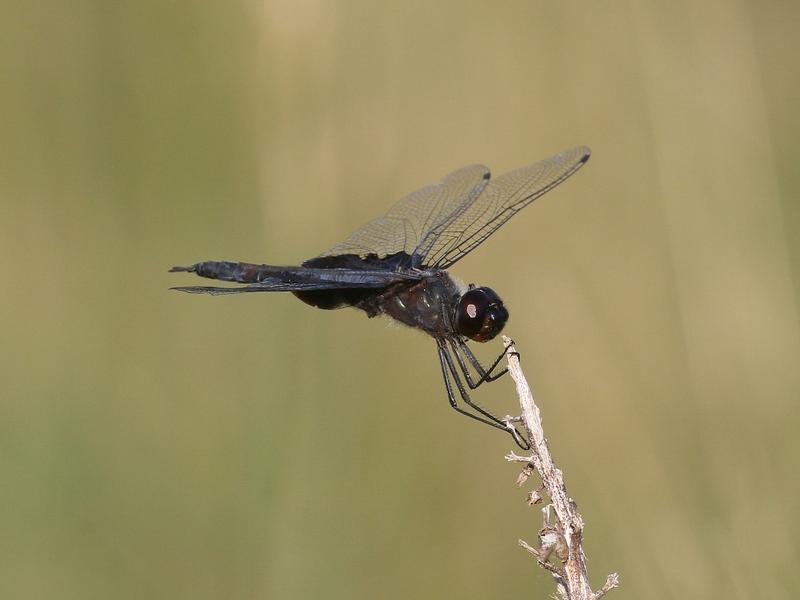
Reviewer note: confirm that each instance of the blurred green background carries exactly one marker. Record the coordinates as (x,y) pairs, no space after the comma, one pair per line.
(159,445)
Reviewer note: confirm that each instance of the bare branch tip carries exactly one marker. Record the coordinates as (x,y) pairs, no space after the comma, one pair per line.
(534,497)
(612,581)
(528,547)
(514,457)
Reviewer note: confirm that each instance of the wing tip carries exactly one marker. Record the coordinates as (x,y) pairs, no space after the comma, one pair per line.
(577,156)
(191,289)
(582,152)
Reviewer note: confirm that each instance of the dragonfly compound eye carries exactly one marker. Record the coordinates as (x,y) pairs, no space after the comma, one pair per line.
(480,314)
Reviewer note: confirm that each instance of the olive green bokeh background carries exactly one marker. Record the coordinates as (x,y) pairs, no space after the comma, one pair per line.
(158,445)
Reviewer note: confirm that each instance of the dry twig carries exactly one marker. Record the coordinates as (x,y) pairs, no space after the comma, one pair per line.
(564,537)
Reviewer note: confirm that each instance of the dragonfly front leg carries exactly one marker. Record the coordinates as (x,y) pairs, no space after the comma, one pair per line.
(459,346)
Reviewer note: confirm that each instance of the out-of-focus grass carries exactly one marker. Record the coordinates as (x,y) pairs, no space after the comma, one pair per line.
(160,445)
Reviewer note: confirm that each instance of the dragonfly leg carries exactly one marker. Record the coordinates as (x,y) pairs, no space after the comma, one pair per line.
(459,347)
(449,370)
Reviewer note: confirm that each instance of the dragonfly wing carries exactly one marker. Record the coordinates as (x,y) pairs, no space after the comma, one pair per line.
(502,198)
(405,226)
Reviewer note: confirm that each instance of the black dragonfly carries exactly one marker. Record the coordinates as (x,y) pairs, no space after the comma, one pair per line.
(396,265)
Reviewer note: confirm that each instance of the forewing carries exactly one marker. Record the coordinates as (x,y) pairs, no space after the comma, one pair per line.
(405,226)
(501,199)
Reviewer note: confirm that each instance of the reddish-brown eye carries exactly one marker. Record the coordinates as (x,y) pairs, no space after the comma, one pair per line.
(480,314)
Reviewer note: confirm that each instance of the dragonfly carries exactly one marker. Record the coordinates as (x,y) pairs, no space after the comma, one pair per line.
(397,266)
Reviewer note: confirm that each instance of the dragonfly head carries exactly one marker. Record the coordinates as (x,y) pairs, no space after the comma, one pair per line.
(480,314)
